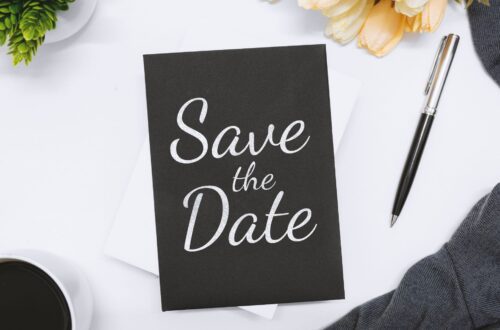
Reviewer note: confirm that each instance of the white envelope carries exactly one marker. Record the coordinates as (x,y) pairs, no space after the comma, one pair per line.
(133,236)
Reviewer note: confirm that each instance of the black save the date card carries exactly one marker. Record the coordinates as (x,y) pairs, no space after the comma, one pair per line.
(243,177)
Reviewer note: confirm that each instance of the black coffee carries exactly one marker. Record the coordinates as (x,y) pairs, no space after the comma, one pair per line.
(30,299)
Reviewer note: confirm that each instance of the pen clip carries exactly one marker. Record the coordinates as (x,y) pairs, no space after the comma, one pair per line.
(434,65)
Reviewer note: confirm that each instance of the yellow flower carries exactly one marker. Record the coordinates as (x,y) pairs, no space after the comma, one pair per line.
(317,4)
(341,7)
(346,19)
(410,8)
(379,27)
(433,15)
(413,23)
(383,29)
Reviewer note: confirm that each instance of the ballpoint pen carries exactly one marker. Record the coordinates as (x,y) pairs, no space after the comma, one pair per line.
(433,90)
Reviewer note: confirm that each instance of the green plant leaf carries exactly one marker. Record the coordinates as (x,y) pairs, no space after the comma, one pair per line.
(36,19)
(15,8)
(3,38)
(24,23)
(23,50)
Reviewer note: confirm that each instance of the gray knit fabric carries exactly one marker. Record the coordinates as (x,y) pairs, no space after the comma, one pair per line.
(456,288)
(485,27)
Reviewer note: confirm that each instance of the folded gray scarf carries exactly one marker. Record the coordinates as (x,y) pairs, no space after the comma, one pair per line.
(456,288)
(485,27)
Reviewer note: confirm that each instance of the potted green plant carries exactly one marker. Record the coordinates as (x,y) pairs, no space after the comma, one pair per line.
(24,23)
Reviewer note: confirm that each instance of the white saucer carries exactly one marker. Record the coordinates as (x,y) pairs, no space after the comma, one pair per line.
(71,21)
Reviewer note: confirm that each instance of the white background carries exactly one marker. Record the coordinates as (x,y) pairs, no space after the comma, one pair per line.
(71,126)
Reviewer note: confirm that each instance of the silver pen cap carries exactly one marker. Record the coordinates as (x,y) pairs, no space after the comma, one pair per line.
(439,73)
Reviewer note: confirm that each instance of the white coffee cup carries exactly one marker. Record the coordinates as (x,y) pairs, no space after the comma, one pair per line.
(70,280)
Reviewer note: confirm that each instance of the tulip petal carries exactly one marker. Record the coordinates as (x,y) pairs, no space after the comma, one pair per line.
(346,19)
(345,27)
(433,15)
(403,8)
(340,8)
(382,30)
(414,23)
(317,4)
(414,3)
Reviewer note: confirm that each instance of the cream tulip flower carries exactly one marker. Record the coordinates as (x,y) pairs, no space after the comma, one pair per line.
(340,7)
(347,19)
(317,4)
(383,29)
(433,15)
(379,24)
(413,23)
(430,18)
(410,8)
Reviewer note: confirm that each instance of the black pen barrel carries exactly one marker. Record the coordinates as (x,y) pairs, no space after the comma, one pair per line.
(412,161)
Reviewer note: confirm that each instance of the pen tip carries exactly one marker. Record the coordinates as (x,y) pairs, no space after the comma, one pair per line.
(393,220)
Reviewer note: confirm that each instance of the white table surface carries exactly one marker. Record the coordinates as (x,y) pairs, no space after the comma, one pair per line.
(72,123)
